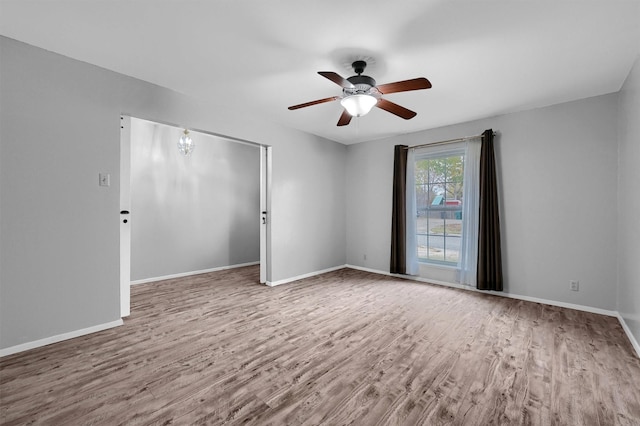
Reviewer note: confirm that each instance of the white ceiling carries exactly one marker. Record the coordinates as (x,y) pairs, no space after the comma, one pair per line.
(258,57)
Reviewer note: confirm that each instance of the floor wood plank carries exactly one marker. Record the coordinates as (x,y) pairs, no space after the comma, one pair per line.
(347,347)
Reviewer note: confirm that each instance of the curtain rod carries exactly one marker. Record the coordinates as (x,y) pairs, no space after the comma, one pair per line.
(466,138)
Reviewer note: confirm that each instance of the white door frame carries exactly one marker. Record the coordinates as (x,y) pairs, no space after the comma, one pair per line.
(265,214)
(125,206)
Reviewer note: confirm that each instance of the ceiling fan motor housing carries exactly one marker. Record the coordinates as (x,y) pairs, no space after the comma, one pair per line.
(363,85)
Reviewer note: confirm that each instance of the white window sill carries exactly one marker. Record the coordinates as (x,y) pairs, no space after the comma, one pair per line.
(438,265)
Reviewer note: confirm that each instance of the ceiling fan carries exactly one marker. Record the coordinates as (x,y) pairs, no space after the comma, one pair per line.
(360,93)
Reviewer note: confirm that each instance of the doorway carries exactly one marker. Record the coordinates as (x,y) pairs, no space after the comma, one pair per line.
(195,213)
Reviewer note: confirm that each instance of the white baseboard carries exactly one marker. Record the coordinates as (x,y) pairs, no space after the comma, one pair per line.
(187,274)
(59,338)
(584,308)
(630,335)
(494,293)
(100,327)
(299,277)
(590,309)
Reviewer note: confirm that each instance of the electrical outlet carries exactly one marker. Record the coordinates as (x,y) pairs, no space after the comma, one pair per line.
(574,285)
(364,256)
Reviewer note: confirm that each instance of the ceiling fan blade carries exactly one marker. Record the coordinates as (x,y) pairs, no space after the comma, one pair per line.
(319,101)
(404,86)
(337,79)
(345,118)
(396,109)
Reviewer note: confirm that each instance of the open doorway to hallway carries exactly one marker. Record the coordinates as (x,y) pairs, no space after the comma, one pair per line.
(184,215)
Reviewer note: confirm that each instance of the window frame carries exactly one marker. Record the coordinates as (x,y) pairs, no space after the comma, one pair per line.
(436,153)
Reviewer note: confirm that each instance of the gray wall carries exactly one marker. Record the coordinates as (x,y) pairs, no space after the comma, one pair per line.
(59,248)
(629,202)
(557,170)
(59,245)
(191,213)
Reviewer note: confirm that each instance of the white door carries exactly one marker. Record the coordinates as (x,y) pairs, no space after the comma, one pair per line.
(125,216)
(265,213)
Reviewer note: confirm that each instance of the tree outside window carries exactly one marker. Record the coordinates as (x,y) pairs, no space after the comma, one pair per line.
(439,186)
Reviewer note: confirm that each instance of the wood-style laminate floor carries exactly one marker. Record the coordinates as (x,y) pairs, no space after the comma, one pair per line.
(347,347)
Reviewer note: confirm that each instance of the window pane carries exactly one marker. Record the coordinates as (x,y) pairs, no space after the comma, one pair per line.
(436,248)
(452,252)
(439,182)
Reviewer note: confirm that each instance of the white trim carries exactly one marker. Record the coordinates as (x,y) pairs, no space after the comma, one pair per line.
(300,277)
(124,231)
(264,213)
(494,293)
(59,338)
(583,308)
(373,271)
(188,274)
(439,266)
(94,329)
(630,335)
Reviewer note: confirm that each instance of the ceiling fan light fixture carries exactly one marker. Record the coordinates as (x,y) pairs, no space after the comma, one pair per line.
(360,93)
(359,104)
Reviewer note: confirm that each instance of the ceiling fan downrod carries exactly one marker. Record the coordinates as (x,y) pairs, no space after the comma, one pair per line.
(362,82)
(359,66)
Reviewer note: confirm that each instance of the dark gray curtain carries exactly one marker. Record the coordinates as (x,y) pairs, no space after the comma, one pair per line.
(398,215)
(489,250)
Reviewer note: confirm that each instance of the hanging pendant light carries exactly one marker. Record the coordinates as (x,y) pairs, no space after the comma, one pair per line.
(186,144)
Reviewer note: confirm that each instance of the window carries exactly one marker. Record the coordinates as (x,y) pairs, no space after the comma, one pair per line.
(439,183)
(442,211)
